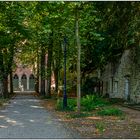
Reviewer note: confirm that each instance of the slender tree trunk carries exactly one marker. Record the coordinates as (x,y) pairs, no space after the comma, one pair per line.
(1,74)
(56,80)
(42,71)
(1,88)
(37,75)
(11,82)
(49,64)
(78,62)
(56,66)
(5,86)
(49,72)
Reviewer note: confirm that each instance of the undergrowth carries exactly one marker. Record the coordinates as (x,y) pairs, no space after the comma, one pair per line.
(89,103)
(110,112)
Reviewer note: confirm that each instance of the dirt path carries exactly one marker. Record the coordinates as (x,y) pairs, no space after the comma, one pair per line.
(133,115)
(101,127)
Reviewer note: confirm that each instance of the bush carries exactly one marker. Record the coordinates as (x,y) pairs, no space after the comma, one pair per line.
(110,112)
(91,102)
(88,103)
(70,102)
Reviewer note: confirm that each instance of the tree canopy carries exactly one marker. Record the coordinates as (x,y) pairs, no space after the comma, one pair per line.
(30,30)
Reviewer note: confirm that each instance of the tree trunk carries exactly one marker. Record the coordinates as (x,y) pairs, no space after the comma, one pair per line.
(56,66)
(42,71)
(37,75)
(78,61)
(49,64)
(1,74)
(49,72)
(1,88)
(5,86)
(56,81)
(11,82)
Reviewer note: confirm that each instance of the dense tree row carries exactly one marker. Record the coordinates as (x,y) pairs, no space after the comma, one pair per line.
(30,30)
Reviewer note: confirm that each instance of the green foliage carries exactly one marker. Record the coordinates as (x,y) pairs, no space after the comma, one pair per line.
(110,112)
(88,86)
(105,29)
(88,103)
(100,126)
(71,104)
(91,102)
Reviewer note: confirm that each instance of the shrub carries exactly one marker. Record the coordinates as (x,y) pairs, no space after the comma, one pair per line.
(110,112)
(88,103)
(70,102)
(91,102)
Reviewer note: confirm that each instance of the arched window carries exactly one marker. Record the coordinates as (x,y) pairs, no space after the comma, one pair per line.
(24,76)
(15,76)
(32,83)
(15,82)
(32,76)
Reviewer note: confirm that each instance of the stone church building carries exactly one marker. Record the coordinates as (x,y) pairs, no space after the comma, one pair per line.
(122,79)
(23,79)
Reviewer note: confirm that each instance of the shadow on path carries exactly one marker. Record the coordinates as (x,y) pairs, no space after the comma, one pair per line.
(24,117)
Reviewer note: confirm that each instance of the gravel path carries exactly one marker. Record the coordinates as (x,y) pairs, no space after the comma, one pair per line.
(24,117)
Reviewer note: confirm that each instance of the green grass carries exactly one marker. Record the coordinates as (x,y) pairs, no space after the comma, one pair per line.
(88,103)
(110,112)
(71,105)
(91,102)
(100,126)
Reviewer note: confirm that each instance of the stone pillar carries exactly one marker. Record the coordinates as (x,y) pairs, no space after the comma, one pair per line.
(28,82)
(19,82)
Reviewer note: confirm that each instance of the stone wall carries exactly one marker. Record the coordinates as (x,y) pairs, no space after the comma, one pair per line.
(122,80)
(135,76)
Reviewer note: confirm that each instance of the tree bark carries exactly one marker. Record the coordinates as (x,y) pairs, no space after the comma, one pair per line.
(78,61)
(56,66)
(56,81)
(5,86)
(11,82)
(1,74)
(37,75)
(42,71)
(49,64)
